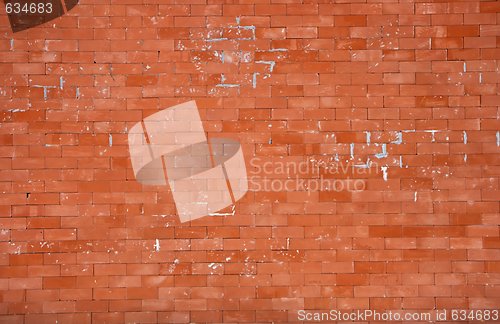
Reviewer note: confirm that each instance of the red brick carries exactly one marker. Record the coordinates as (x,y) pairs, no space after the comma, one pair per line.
(25,283)
(59,282)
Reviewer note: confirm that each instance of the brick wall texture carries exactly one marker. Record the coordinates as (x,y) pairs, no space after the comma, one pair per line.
(395,103)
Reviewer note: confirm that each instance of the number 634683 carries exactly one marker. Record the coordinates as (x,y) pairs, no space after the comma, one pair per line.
(29,8)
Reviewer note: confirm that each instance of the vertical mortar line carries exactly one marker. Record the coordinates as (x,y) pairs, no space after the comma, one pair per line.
(224,170)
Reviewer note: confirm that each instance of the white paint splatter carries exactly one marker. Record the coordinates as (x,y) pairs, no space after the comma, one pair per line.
(220,39)
(157,245)
(246,57)
(368,137)
(383,154)
(17,110)
(172,267)
(45,90)
(233,211)
(270,63)
(399,138)
(384,171)
(223,83)
(365,165)
(275,50)
(254,79)
(433,132)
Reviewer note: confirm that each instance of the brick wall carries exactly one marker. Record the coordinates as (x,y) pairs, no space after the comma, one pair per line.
(392,103)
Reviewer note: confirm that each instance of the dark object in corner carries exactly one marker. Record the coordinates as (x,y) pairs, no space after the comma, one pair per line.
(25,14)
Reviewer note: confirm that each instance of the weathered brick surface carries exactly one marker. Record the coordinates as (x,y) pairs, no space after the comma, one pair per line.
(401,96)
